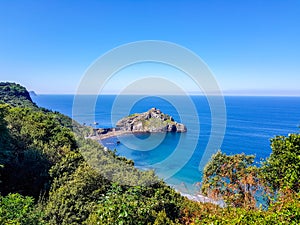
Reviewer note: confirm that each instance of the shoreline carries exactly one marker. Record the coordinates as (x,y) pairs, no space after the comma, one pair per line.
(202,199)
(193,197)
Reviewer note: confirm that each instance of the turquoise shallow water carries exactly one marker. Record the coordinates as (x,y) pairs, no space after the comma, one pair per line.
(251,122)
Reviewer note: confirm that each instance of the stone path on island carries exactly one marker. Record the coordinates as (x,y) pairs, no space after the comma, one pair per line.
(110,134)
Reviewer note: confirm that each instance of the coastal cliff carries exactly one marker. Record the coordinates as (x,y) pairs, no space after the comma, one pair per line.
(151,121)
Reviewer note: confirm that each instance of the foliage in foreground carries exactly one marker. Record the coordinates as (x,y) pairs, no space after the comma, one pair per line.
(285,211)
(68,175)
(282,169)
(16,209)
(137,205)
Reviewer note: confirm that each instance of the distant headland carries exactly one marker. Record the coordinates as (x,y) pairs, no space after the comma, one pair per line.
(32,93)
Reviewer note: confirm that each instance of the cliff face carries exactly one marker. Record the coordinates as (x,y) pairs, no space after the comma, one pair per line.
(151,121)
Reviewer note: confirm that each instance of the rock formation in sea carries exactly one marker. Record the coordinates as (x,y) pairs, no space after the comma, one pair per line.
(151,121)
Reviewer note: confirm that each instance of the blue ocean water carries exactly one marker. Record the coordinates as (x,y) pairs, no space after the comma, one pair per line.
(251,122)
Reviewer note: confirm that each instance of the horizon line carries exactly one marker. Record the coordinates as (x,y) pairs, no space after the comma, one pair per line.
(190,94)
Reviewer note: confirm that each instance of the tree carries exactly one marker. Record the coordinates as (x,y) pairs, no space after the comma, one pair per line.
(282,169)
(233,179)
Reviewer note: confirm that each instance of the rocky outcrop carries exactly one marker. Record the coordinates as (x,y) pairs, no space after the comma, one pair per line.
(151,121)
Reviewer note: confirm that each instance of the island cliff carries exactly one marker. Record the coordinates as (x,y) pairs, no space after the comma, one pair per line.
(151,121)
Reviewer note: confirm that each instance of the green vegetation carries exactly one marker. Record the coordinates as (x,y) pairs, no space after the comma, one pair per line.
(132,115)
(34,143)
(68,178)
(286,210)
(137,205)
(15,95)
(16,209)
(51,174)
(282,169)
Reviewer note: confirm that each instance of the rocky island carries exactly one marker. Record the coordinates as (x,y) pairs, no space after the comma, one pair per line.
(151,121)
(147,122)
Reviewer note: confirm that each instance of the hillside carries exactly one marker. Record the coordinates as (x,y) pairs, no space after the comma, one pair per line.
(75,180)
(15,95)
(51,174)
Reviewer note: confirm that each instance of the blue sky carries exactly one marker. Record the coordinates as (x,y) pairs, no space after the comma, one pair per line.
(252,47)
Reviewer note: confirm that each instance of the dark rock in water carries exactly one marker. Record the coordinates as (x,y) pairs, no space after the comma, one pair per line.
(151,121)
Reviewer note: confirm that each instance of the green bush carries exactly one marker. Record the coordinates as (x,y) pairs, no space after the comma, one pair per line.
(282,169)
(73,195)
(16,209)
(137,205)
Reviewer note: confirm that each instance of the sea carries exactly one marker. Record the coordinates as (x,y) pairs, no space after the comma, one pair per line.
(244,125)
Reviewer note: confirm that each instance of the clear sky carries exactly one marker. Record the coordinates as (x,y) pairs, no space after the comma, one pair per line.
(252,47)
